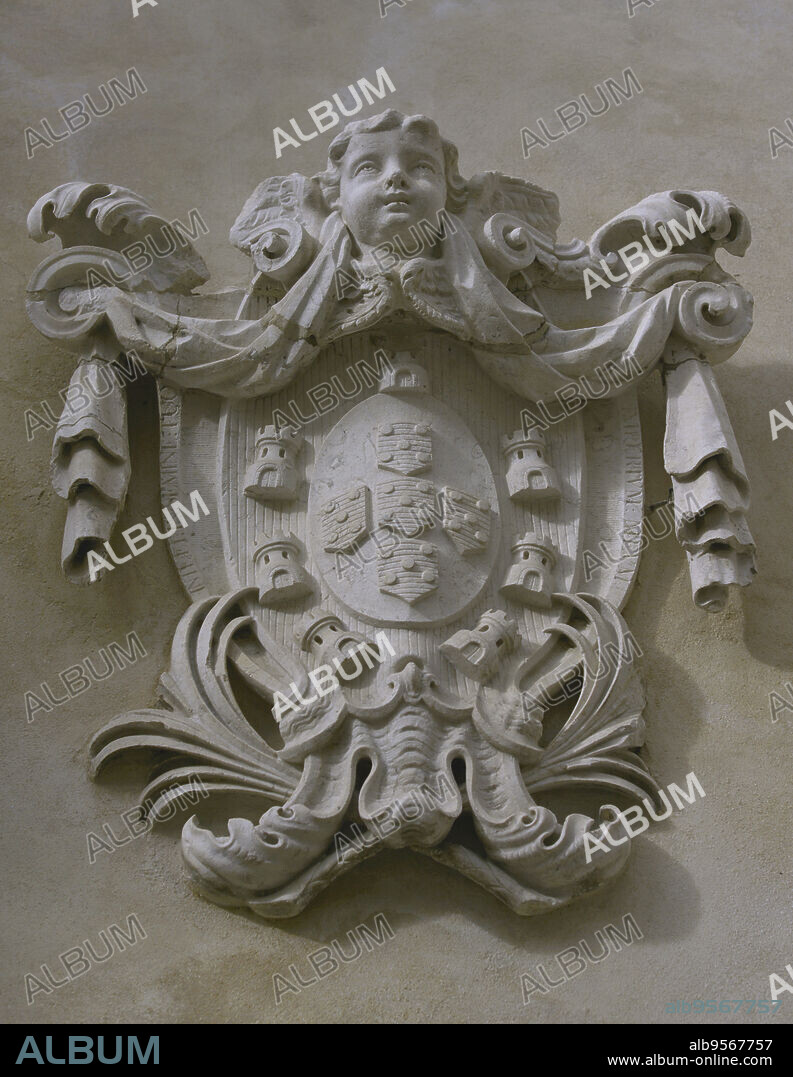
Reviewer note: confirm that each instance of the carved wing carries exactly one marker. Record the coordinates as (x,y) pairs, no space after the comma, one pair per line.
(515,225)
(279,228)
(492,193)
(278,199)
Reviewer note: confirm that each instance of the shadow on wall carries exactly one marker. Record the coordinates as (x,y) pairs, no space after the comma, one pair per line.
(767,618)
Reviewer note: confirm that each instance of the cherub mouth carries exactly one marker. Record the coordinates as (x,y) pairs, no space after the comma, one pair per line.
(396,200)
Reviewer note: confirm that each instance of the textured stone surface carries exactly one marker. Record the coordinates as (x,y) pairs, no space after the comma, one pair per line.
(707,679)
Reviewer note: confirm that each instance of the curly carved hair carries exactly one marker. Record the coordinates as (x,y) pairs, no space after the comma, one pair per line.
(329,180)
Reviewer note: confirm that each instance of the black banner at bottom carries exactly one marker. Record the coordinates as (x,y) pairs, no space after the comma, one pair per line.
(618,1047)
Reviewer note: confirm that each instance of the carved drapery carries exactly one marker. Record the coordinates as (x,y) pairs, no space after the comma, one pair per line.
(683,300)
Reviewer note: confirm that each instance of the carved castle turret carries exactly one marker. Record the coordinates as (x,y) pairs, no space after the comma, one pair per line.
(404,375)
(478,652)
(530,577)
(273,475)
(530,476)
(326,638)
(280,577)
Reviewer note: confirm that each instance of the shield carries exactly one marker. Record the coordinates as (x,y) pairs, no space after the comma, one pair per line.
(408,569)
(404,447)
(343,463)
(345,519)
(406,505)
(466,520)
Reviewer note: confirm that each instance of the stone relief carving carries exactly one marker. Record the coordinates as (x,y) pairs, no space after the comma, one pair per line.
(418,519)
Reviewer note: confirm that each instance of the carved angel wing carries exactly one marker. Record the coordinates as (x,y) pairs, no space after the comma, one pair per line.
(492,193)
(515,223)
(280,198)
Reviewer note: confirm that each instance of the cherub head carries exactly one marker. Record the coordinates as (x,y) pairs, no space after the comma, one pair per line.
(389,172)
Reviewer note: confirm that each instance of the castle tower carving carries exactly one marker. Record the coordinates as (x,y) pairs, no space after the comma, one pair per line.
(479,651)
(530,577)
(327,639)
(530,475)
(279,575)
(404,376)
(273,475)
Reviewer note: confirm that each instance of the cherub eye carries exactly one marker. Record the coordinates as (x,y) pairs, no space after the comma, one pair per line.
(365,166)
(427,166)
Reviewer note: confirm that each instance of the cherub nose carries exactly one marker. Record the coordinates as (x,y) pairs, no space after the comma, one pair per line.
(397,178)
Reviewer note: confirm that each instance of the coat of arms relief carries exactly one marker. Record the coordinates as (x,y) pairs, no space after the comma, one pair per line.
(424,477)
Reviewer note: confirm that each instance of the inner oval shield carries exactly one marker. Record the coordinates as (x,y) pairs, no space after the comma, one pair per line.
(403,514)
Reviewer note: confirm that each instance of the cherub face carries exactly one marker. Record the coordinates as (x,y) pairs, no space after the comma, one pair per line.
(389,181)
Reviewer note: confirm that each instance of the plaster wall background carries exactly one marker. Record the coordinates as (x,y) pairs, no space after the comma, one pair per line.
(710,889)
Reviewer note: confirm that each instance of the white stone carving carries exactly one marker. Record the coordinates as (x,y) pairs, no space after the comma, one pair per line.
(273,473)
(530,576)
(425,512)
(530,476)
